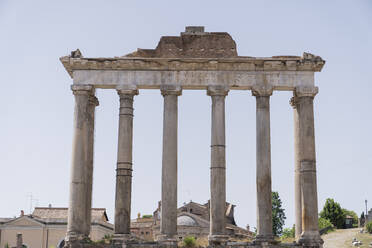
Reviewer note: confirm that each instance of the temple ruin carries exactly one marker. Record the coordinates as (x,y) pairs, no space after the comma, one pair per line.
(195,60)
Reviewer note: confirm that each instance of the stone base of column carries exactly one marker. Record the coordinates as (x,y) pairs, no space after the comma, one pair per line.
(120,238)
(265,240)
(311,239)
(75,240)
(167,242)
(216,240)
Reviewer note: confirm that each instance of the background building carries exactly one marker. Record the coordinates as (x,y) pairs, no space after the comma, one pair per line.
(46,227)
(192,220)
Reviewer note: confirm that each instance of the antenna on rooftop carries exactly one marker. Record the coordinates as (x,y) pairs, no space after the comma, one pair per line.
(31,198)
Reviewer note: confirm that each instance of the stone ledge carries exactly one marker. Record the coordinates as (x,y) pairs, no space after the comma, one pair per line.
(308,62)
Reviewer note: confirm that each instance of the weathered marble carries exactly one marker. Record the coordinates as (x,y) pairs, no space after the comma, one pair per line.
(78,225)
(297,171)
(263,162)
(310,230)
(198,79)
(218,166)
(307,62)
(168,224)
(124,164)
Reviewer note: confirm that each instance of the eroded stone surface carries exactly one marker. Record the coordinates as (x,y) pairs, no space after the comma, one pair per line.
(194,43)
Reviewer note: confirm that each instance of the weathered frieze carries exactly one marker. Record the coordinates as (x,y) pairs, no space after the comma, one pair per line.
(209,64)
(243,80)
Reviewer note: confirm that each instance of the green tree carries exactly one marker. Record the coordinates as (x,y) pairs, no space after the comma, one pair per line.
(333,212)
(362,215)
(278,214)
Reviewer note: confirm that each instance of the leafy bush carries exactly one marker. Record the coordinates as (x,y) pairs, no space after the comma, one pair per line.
(189,241)
(6,245)
(147,216)
(288,233)
(325,224)
(369,227)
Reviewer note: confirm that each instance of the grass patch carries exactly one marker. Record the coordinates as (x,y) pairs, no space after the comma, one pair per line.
(287,240)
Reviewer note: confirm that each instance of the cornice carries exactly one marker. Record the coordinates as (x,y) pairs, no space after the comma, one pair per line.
(307,62)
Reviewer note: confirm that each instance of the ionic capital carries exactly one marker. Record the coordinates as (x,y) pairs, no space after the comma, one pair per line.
(127,90)
(93,100)
(303,91)
(293,102)
(217,90)
(171,90)
(82,89)
(262,90)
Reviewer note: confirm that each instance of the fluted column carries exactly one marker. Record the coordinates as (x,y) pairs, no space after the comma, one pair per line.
(218,166)
(79,212)
(124,164)
(297,171)
(310,230)
(168,222)
(263,163)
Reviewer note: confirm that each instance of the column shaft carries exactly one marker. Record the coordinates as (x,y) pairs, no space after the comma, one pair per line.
(168,223)
(218,166)
(263,162)
(310,229)
(297,170)
(124,164)
(92,103)
(79,211)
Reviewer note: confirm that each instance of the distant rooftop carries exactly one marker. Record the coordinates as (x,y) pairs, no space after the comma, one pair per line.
(98,214)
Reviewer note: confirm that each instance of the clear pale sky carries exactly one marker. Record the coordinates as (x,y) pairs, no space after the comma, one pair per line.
(37,104)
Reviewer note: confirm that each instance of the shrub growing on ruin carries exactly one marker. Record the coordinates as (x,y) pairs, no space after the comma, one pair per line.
(189,241)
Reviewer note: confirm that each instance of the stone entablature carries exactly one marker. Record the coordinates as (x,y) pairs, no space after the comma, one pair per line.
(308,62)
(282,73)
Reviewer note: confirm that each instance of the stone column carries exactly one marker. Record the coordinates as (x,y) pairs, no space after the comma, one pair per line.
(297,170)
(79,212)
(263,163)
(92,103)
(168,222)
(124,165)
(217,232)
(310,231)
